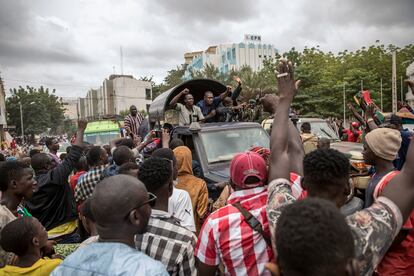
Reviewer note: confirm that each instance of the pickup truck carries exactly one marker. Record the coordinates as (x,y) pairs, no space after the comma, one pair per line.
(213,145)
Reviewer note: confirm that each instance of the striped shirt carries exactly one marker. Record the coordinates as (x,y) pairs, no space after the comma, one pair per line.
(227,238)
(166,241)
(133,122)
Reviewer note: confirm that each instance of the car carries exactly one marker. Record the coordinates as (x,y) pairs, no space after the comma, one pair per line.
(321,129)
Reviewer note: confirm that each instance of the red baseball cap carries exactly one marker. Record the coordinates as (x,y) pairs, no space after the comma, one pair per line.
(248,164)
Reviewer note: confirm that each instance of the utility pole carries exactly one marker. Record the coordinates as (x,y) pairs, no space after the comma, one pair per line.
(394,82)
(382,108)
(344,103)
(402,93)
(21,120)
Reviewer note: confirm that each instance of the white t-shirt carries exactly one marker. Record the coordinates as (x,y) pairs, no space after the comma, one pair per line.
(179,205)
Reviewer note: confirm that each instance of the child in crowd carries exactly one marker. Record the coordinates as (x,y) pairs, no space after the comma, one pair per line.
(25,237)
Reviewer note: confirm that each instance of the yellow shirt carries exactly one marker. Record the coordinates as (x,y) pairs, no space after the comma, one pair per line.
(64,229)
(39,268)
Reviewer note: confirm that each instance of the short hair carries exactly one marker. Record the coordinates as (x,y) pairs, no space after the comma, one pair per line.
(165,153)
(313,238)
(33,152)
(49,141)
(68,149)
(82,164)
(122,155)
(155,172)
(126,142)
(175,143)
(323,167)
(125,168)
(17,235)
(10,170)
(39,161)
(306,126)
(208,92)
(86,210)
(94,155)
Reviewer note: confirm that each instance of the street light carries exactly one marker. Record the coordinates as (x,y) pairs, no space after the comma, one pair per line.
(21,118)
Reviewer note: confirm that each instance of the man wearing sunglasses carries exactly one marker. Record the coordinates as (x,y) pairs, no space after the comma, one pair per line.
(165,240)
(121,206)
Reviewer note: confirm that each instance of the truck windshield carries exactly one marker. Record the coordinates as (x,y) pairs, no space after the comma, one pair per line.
(322,130)
(223,145)
(101,138)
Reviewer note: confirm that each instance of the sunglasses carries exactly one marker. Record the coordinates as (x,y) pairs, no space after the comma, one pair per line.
(151,202)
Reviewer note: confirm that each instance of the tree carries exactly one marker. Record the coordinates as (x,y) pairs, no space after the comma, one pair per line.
(42,110)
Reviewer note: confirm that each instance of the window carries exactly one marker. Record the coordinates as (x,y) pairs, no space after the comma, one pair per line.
(148,94)
(260,56)
(233,52)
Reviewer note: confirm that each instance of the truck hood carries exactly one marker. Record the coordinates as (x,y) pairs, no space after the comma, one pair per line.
(347,147)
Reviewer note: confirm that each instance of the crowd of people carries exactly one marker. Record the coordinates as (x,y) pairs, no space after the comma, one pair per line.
(226,107)
(115,210)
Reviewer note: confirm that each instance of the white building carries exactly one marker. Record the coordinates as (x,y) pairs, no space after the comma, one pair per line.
(226,57)
(71,108)
(116,94)
(409,96)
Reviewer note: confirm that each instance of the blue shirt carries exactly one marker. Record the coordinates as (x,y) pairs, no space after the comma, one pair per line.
(109,258)
(206,109)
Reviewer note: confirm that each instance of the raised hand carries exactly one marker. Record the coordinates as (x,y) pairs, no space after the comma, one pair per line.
(82,124)
(287,85)
(185,91)
(237,79)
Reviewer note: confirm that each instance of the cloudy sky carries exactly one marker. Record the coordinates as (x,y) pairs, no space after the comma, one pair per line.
(73,45)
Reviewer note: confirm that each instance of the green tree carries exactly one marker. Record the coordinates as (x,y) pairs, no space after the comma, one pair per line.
(42,110)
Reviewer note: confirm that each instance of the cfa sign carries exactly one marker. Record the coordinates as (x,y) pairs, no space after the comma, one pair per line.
(253,37)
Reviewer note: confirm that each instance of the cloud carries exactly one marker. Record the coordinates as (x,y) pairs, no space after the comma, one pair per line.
(73,45)
(205,12)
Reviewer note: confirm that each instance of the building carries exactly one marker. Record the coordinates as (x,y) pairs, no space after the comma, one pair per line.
(71,108)
(226,57)
(409,96)
(117,94)
(3,113)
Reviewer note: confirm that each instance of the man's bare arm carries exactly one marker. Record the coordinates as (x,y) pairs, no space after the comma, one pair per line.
(175,100)
(400,190)
(279,157)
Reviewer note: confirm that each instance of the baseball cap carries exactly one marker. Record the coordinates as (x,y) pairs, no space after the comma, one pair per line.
(247,164)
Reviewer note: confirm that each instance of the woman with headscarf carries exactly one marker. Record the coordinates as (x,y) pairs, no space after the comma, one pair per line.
(196,187)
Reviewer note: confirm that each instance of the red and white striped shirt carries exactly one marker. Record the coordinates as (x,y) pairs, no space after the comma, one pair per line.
(226,237)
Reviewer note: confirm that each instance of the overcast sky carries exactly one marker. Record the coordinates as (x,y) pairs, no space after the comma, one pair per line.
(73,45)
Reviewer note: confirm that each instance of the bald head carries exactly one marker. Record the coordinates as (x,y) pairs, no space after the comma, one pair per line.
(133,110)
(113,202)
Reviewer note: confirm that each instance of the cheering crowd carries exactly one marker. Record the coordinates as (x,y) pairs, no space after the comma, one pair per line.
(98,211)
